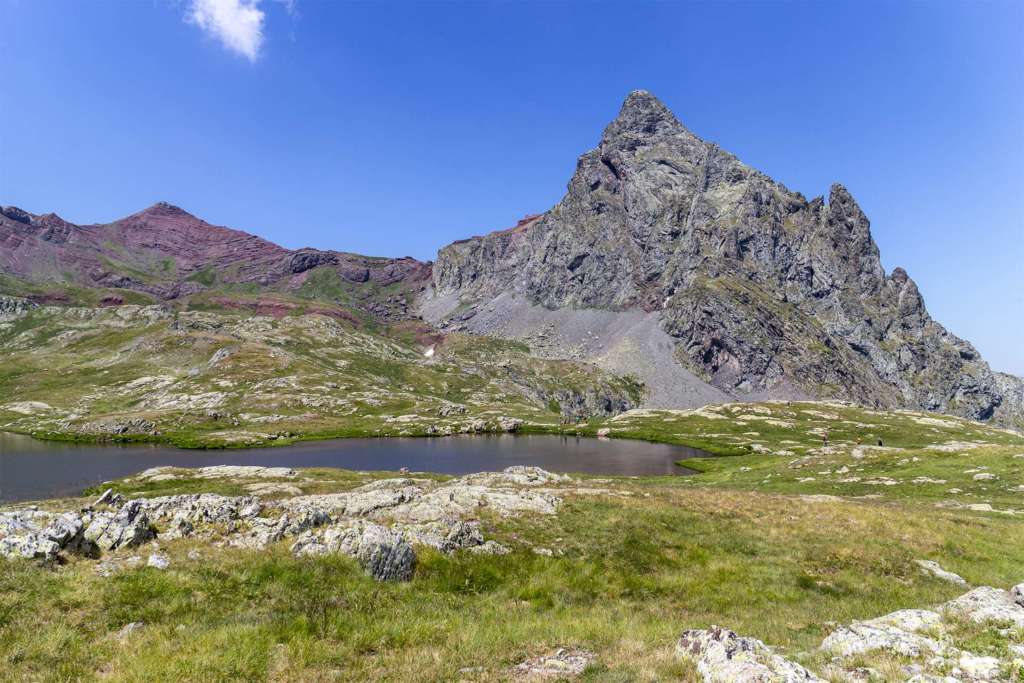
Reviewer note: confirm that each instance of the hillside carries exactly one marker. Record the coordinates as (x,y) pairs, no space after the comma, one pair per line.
(163,253)
(226,377)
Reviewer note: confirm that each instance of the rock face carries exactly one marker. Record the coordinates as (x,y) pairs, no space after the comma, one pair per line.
(127,527)
(385,554)
(763,292)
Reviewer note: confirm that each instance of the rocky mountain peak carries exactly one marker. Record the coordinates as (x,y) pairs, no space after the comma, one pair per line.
(644,115)
(760,292)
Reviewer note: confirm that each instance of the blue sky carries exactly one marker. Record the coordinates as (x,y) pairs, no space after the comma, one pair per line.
(395,128)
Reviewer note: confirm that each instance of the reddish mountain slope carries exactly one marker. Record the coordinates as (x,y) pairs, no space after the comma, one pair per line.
(165,253)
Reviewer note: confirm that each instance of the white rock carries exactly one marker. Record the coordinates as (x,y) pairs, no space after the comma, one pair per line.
(1017,593)
(978,668)
(158,561)
(933,568)
(722,656)
(987,604)
(895,632)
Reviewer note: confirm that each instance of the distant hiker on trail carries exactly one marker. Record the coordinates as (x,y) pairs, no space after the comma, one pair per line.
(879,442)
(824,438)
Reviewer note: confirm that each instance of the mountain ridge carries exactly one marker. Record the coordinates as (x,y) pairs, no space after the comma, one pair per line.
(749,289)
(763,292)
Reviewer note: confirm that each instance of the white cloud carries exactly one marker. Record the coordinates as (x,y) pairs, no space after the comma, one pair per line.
(238,24)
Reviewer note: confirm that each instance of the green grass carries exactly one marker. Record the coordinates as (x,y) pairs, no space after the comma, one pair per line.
(206,276)
(634,571)
(749,543)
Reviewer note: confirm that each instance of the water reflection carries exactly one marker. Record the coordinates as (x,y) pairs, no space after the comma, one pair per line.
(31,469)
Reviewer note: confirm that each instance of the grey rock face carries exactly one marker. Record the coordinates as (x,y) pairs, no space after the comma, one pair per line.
(765,293)
(127,527)
(14,307)
(385,554)
(1011,409)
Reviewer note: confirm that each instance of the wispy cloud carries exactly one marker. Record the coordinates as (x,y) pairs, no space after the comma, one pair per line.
(238,24)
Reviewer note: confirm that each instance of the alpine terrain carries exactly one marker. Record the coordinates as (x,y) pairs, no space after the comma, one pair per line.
(849,531)
(719,278)
(671,275)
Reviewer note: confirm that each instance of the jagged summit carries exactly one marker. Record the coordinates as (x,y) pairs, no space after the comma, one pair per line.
(758,291)
(644,116)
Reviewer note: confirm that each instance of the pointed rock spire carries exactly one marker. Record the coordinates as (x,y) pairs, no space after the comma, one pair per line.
(643,114)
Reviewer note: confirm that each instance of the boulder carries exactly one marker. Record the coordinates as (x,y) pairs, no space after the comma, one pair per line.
(1017,593)
(722,656)
(561,664)
(30,546)
(385,554)
(129,526)
(987,604)
(895,632)
(933,568)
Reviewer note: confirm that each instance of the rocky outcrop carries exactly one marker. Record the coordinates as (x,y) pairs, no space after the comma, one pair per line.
(379,523)
(924,638)
(385,554)
(14,307)
(764,292)
(126,527)
(722,656)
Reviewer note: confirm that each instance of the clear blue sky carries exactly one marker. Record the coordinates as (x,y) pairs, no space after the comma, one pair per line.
(394,128)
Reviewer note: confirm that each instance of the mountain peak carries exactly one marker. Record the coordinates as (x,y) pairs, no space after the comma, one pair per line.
(644,114)
(165,209)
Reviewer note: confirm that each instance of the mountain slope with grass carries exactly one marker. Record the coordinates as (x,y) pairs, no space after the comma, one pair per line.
(219,376)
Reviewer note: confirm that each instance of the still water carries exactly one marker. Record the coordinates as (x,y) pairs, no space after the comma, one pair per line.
(33,470)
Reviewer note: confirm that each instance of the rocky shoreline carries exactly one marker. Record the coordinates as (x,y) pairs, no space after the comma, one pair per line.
(377,523)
